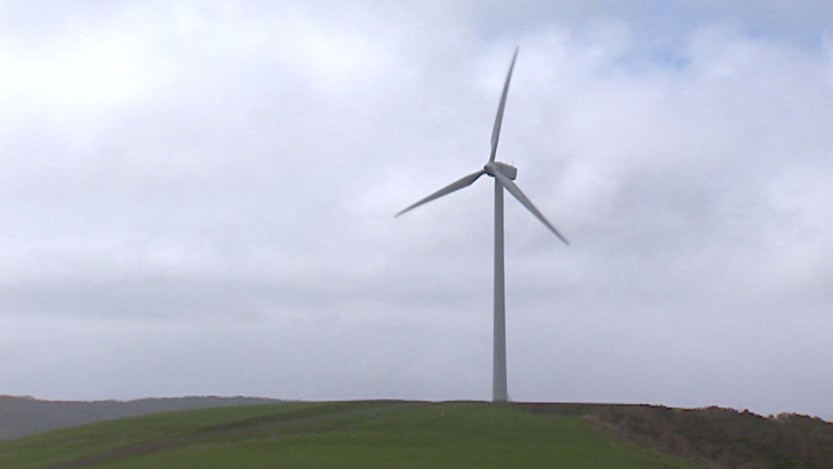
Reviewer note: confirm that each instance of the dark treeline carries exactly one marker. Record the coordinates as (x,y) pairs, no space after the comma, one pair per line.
(717,437)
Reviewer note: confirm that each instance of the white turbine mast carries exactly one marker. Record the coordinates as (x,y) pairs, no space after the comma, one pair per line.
(504,175)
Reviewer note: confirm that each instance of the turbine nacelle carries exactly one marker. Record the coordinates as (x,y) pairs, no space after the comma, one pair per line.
(504,169)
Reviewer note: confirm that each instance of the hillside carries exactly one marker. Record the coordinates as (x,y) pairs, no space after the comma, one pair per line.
(338,434)
(424,434)
(714,436)
(20,416)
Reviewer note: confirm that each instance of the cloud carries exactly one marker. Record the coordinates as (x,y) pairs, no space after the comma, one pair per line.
(205,195)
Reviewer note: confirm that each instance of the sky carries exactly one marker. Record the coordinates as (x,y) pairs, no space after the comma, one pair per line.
(198,198)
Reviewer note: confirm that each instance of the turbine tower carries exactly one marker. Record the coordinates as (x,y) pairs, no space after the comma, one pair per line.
(503,175)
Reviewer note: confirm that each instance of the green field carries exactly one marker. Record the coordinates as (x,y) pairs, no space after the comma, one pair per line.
(395,434)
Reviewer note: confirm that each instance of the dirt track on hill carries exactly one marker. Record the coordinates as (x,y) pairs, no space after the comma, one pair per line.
(241,427)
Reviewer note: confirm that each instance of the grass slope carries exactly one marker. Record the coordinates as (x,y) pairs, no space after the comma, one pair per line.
(337,434)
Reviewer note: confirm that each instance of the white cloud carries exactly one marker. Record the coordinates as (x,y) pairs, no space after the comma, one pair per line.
(215,196)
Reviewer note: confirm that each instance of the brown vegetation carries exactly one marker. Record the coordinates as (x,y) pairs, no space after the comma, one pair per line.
(715,436)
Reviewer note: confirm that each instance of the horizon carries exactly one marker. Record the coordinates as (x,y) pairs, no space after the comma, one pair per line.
(434,401)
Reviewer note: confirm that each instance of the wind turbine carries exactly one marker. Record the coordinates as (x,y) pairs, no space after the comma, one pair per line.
(503,174)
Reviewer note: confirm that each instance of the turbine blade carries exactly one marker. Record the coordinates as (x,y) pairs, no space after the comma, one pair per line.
(501,106)
(456,185)
(524,200)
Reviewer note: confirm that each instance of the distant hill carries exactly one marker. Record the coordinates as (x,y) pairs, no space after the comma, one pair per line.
(20,416)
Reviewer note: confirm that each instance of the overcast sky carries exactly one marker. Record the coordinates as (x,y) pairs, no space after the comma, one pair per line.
(198,198)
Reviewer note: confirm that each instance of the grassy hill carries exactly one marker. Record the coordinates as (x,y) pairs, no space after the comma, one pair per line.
(340,434)
(413,434)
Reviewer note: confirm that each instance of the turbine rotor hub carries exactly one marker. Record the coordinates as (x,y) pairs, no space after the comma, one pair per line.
(504,169)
